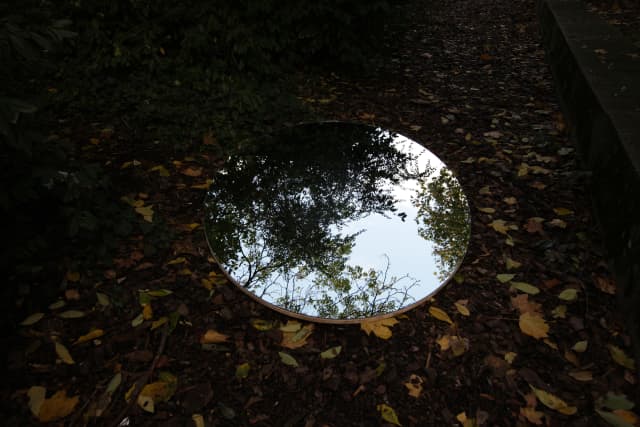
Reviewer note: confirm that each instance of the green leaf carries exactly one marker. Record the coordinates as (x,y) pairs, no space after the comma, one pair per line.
(505,277)
(287,359)
(159,293)
(242,371)
(331,353)
(568,295)
(525,287)
(388,414)
(620,357)
(103,299)
(114,383)
(616,401)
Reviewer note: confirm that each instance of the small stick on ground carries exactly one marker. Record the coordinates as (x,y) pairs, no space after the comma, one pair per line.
(144,379)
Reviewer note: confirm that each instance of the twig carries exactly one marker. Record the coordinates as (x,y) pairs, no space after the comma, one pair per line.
(145,379)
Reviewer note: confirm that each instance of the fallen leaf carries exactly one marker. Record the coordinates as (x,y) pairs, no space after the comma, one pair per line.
(608,286)
(57,305)
(510,356)
(297,339)
(581,375)
(388,414)
(63,353)
(511,264)
(580,346)
(57,406)
(553,402)
(291,326)
(568,295)
(533,325)
(162,171)
(510,200)
(558,223)
(71,314)
(414,385)
(213,337)
(331,353)
(72,276)
(159,292)
(191,171)
(534,225)
(560,312)
(198,420)
(137,321)
(501,226)
(615,401)
(444,342)
(96,333)
(242,371)
(440,314)
(103,299)
(203,186)
(533,416)
(523,305)
(146,212)
(461,306)
(563,211)
(380,328)
(147,312)
(157,323)
(287,359)
(628,416)
(620,357)
(262,325)
(572,358)
(72,294)
(178,260)
(487,210)
(32,319)
(504,277)
(36,396)
(525,287)
(614,419)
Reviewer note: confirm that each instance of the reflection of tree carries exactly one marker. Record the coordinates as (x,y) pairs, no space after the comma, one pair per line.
(443,218)
(275,212)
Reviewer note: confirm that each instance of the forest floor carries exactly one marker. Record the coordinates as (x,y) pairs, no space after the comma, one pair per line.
(532,335)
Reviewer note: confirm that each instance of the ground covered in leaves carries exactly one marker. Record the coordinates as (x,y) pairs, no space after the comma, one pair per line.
(528,332)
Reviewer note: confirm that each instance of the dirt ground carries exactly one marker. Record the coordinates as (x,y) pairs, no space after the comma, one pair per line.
(532,334)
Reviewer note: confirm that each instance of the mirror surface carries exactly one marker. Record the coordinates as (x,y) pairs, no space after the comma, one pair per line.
(337,221)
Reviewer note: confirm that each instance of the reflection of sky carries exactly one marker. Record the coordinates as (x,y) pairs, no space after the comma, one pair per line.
(408,253)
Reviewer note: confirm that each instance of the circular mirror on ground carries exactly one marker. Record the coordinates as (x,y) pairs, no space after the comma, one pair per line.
(337,222)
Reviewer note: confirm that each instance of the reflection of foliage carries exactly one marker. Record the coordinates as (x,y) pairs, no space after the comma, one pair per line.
(443,217)
(292,202)
(274,214)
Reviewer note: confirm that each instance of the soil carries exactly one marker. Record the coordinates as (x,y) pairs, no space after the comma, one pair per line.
(468,79)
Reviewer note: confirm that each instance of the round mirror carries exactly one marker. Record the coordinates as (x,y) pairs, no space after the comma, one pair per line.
(337,222)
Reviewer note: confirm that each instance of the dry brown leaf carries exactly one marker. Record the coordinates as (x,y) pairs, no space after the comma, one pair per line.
(620,357)
(581,375)
(36,396)
(534,325)
(96,333)
(57,406)
(191,171)
(606,285)
(533,416)
(414,385)
(534,225)
(461,306)
(213,337)
(523,305)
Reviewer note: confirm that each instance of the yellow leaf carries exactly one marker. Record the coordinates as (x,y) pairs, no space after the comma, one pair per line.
(71,314)
(440,314)
(462,308)
(511,264)
(331,353)
(500,226)
(191,226)
(291,326)
(178,260)
(64,354)
(146,403)
(562,211)
(213,337)
(146,212)
(568,295)
(288,359)
(559,312)
(297,339)
(504,278)
(388,414)
(262,325)
(414,385)
(158,391)
(525,287)
(242,371)
(580,346)
(487,210)
(571,357)
(33,319)
(510,356)
(553,402)
(381,328)
(185,272)
(162,171)
(459,345)
(620,357)
(444,342)
(534,325)
(96,333)
(628,416)
(147,312)
(198,420)
(36,396)
(57,406)
(157,323)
